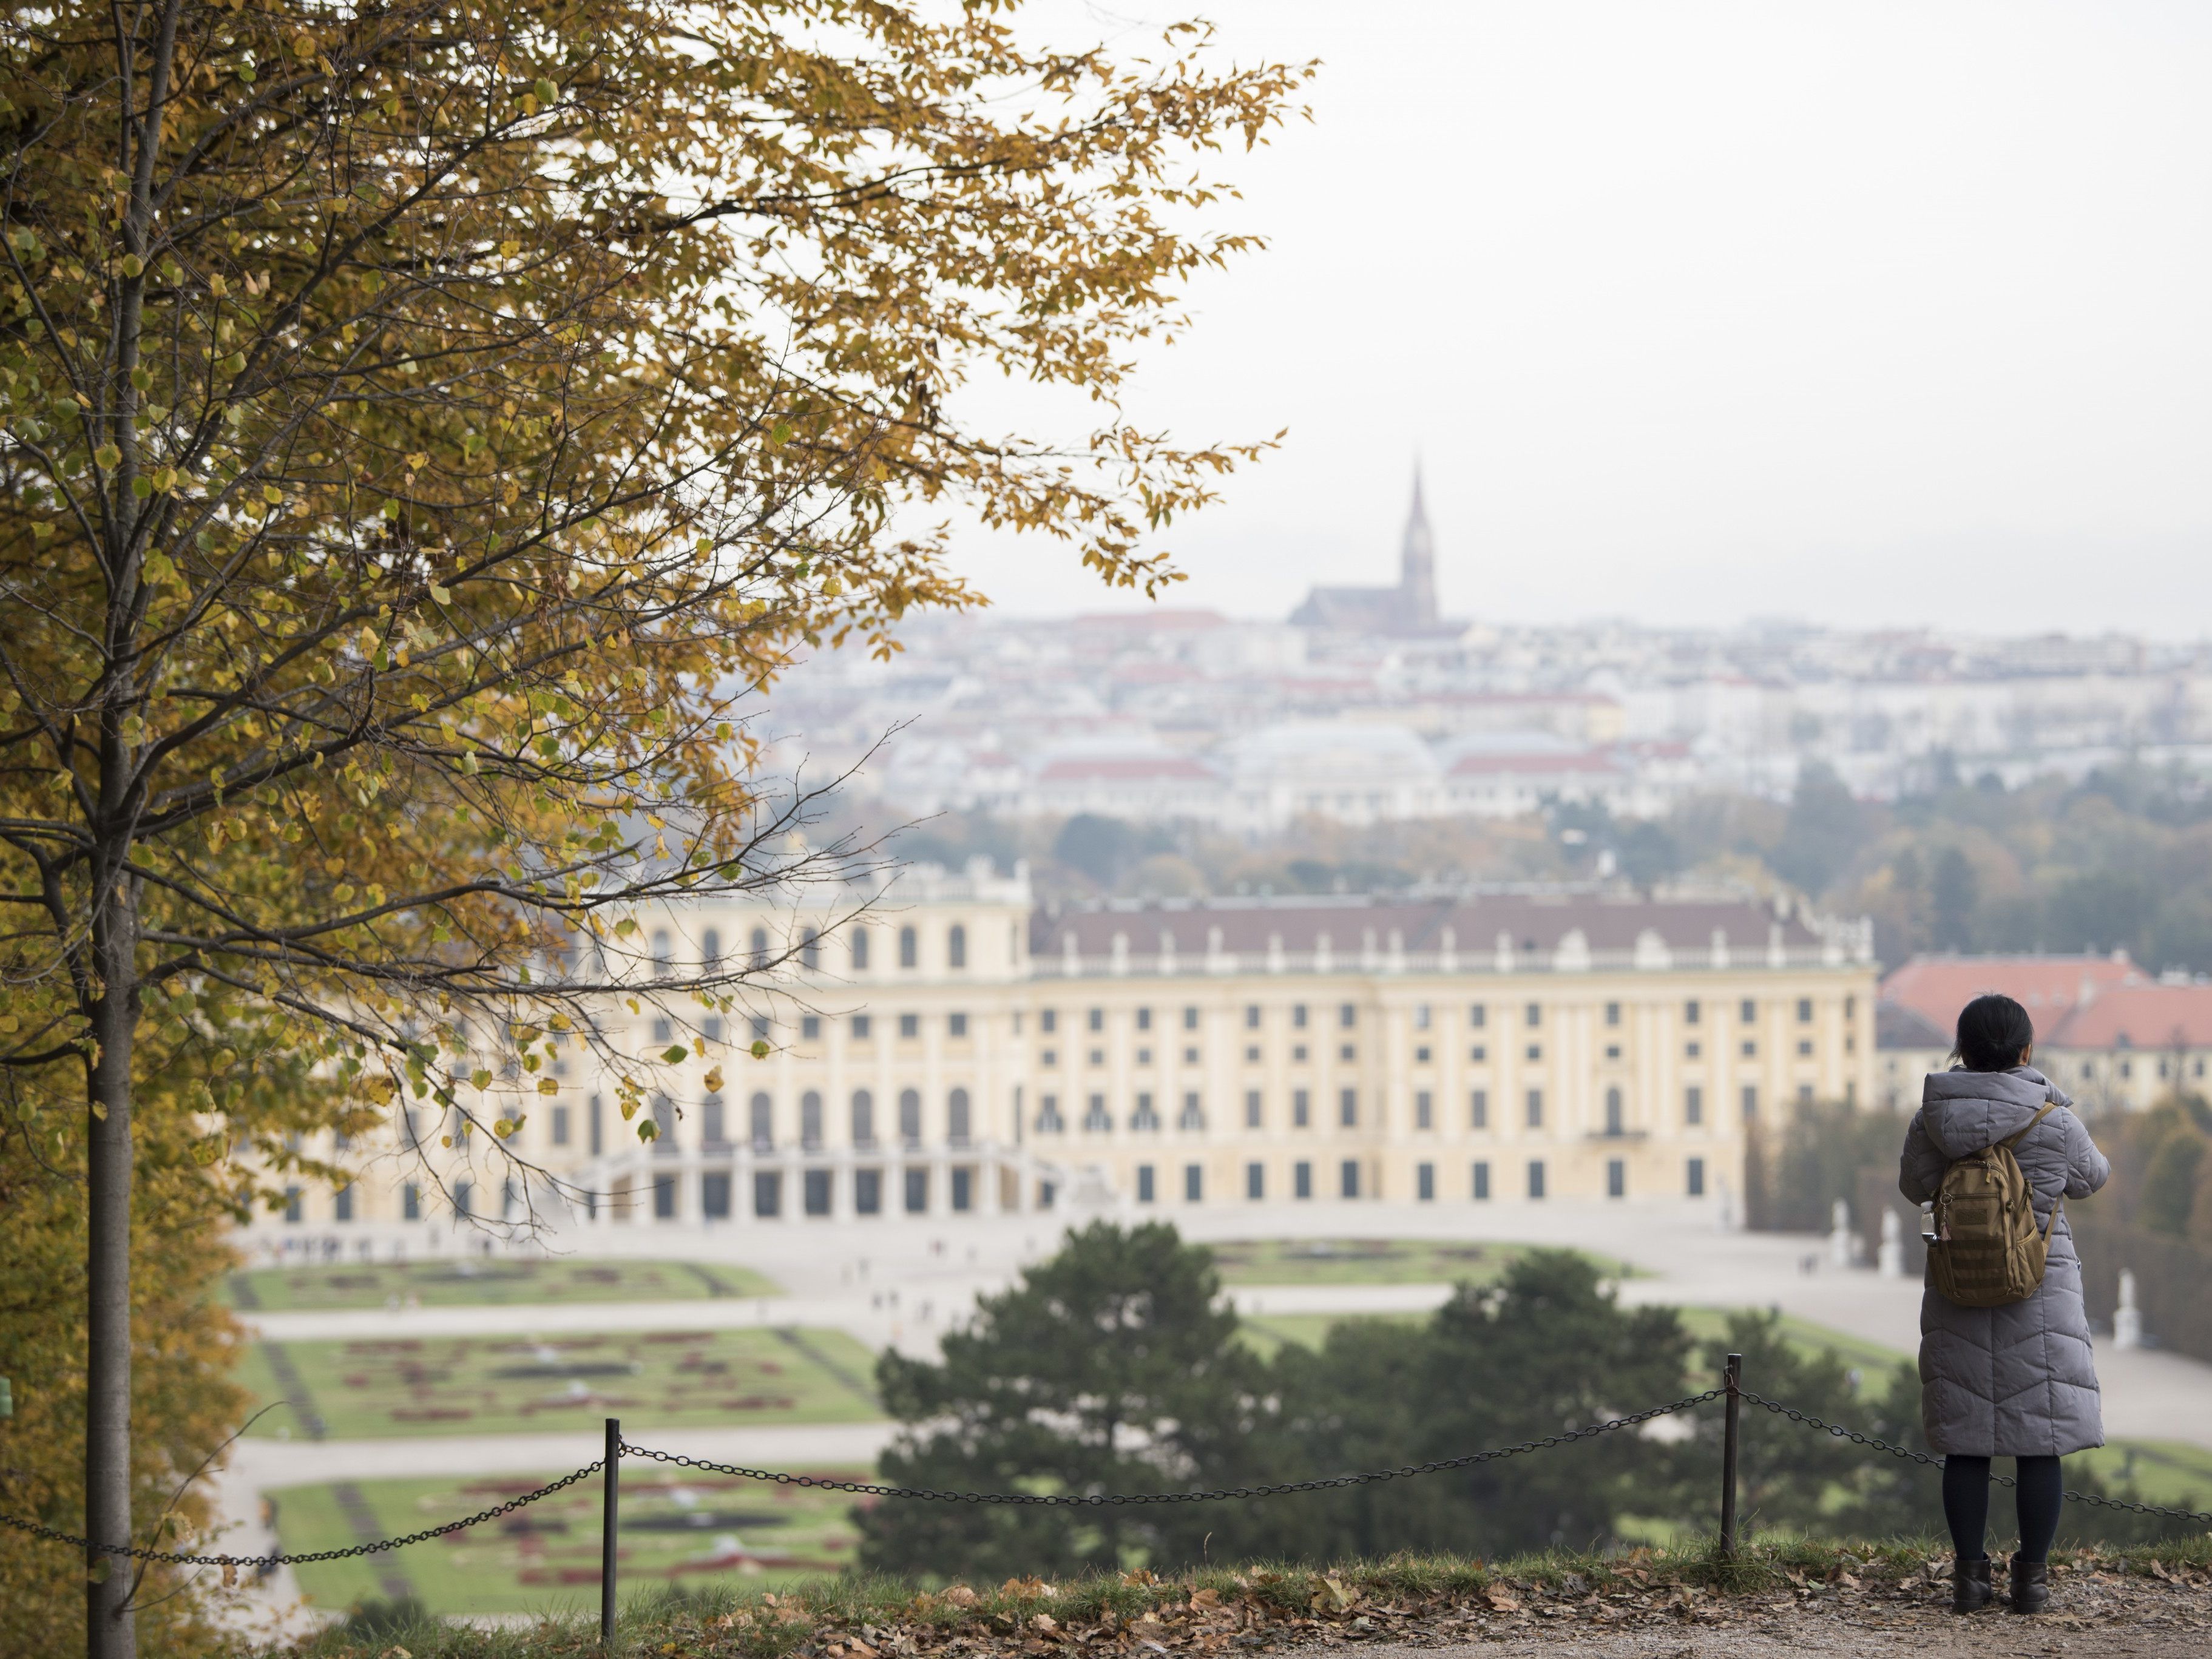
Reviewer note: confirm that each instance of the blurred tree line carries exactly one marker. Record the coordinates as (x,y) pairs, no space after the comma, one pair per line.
(1115,1368)
(1793,1178)
(2120,861)
(2154,1218)
(2161,1177)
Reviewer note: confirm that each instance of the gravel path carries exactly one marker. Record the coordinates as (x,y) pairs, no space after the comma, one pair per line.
(2093,1614)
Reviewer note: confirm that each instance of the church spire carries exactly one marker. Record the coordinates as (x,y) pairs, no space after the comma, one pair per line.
(1417,562)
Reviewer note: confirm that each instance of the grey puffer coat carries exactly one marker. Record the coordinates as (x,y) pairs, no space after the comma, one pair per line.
(2018,1381)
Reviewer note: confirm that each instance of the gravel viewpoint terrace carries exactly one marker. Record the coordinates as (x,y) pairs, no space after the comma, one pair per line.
(1794,1599)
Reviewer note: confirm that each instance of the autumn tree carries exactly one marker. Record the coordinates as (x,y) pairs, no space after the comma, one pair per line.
(429,428)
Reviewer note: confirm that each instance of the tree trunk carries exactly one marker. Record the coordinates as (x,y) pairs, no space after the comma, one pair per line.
(111,1629)
(110,1632)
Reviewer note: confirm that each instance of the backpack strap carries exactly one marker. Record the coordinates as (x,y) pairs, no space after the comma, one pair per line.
(2012,1139)
(2050,1222)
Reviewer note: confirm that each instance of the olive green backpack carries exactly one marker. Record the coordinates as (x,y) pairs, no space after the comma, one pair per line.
(1988,1250)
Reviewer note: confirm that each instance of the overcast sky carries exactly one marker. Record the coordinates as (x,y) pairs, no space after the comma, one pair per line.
(1861,312)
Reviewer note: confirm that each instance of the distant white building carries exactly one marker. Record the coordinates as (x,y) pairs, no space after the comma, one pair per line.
(1355,774)
(1508,783)
(1130,783)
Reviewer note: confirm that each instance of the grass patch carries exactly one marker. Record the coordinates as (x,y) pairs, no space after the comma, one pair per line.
(464,1282)
(1874,1358)
(681,1530)
(2168,1473)
(1368,1261)
(1233,1608)
(1265,1334)
(493,1385)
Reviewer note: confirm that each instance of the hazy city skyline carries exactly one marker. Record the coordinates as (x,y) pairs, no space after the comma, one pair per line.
(1872,316)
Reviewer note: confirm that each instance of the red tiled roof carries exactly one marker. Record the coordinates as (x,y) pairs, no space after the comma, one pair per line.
(2142,1015)
(2048,987)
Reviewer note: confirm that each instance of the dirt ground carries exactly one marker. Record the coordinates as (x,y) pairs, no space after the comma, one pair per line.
(2093,1614)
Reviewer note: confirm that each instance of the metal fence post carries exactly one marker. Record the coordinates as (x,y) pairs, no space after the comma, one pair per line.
(1732,1381)
(610,1532)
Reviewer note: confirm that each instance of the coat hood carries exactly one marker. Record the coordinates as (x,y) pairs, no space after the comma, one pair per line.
(1964,1111)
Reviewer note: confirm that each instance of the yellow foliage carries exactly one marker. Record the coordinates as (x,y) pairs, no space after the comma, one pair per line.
(422,456)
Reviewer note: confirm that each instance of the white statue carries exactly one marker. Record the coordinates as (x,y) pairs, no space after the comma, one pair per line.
(2127,1318)
(1840,1250)
(1889,1259)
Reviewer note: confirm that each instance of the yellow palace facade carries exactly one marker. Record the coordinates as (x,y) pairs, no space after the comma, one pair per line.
(959,1050)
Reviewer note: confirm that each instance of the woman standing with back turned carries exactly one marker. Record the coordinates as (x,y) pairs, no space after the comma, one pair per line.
(2017,1380)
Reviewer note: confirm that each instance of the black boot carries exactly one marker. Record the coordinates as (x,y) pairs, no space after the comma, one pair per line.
(1970,1585)
(2031,1584)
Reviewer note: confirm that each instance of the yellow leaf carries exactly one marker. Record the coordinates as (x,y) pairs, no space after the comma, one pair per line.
(440,595)
(713,1081)
(546,1086)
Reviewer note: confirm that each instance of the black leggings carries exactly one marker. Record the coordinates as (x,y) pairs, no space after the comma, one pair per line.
(1966,1505)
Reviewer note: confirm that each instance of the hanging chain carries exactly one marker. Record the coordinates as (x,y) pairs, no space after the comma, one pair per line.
(1071,1500)
(1858,1439)
(136,1554)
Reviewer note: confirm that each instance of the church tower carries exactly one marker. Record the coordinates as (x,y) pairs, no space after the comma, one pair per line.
(1417,565)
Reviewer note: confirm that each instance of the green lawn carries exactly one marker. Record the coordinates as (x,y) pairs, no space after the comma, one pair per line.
(493,1385)
(463,1281)
(1363,1261)
(1268,1333)
(2166,1472)
(1710,1325)
(676,1531)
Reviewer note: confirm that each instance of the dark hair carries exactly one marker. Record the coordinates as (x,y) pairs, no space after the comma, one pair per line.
(1993,1031)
